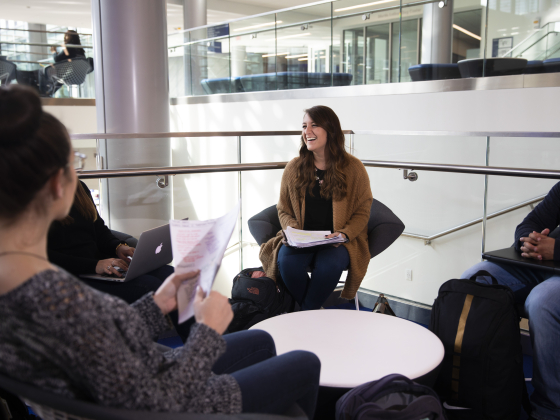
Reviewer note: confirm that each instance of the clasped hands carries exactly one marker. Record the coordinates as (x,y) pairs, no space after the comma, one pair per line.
(213,309)
(538,246)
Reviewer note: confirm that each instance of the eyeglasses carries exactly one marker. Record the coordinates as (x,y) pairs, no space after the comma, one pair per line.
(79,161)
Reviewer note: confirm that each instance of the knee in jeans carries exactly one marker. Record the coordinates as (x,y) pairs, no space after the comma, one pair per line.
(309,360)
(543,300)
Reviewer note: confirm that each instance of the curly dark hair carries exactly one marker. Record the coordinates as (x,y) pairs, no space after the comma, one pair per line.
(334,183)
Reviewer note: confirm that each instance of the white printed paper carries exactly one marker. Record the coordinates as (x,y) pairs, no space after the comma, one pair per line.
(199,245)
(309,238)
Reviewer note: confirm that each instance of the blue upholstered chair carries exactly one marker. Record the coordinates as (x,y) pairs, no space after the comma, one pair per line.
(495,66)
(534,67)
(552,65)
(384,227)
(422,72)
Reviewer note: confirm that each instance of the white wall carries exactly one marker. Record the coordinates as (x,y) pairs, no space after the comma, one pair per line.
(434,203)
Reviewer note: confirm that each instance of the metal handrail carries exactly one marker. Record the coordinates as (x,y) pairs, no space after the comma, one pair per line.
(180,170)
(466,169)
(429,239)
(105,136)
(40,44)
(462,169)
(36,30)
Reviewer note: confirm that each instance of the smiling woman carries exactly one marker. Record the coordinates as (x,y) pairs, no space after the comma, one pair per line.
(324,189)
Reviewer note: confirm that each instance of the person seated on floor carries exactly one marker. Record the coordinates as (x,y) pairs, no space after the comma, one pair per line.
(325,188)
(81,243)
(61,335)
(540,292)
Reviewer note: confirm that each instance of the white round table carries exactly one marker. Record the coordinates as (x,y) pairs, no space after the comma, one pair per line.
(356,347)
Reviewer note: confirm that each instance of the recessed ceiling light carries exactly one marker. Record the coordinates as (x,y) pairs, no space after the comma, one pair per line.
(359,6)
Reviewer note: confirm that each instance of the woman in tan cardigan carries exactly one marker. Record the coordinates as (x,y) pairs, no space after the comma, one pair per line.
(325,188)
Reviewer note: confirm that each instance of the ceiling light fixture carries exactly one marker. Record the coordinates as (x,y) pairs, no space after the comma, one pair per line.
(273,55)
(292,36)
(261,25)
(296,56)
(302,59)
(359,6)
(469,33)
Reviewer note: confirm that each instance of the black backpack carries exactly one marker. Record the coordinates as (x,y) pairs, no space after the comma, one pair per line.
(483,364)
(393,397)
(254,300)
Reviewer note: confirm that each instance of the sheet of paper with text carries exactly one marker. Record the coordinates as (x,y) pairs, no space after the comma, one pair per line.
(199,245)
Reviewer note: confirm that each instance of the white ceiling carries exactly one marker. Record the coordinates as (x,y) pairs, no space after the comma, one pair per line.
(77,13)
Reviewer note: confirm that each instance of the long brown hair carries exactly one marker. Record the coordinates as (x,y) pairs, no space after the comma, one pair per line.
(73,38)
(334,183)
(83,203)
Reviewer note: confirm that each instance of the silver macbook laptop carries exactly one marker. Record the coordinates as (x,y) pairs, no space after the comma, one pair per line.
(153,251)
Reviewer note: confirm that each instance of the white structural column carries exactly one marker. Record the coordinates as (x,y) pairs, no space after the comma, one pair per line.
(132,96)
(196,68)
(437,33)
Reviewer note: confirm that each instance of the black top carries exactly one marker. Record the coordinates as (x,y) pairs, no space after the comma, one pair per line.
(78,247)
(318,210)
(545,215)
(72,53)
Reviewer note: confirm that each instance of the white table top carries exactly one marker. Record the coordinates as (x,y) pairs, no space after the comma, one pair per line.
(356,346)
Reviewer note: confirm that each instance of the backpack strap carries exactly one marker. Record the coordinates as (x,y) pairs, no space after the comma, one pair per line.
(525,402)
(484,273)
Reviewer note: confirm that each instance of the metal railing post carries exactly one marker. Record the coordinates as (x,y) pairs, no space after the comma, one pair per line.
(240,189)
(485,200)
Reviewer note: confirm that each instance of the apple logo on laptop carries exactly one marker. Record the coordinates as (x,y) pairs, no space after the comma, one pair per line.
(158,249)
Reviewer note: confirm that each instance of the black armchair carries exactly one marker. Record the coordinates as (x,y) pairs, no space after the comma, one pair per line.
(384,227)
(70,72)
(48,405)
(7,72)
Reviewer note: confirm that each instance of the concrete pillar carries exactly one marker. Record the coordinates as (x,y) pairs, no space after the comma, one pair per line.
(195,57)
(238,61)
(38,53)
(132,96)
(437,33)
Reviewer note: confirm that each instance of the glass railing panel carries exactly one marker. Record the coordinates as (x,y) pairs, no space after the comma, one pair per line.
(436,202)
(512,29)
(407,51)
(261,189)
(178,55)
(304,48)
(208,195)
(504,192)
(89,148)
(29,47)
(209,62)
(253,61)
(253,54)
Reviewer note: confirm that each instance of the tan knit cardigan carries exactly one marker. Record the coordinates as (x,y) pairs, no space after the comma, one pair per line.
(350,216)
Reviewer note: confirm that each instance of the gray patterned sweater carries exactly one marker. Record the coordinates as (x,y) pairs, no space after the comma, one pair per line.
(61,335)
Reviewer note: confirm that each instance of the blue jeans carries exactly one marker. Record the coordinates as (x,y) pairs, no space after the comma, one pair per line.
(270,384)
(326,263)
(133,290)
(540,291)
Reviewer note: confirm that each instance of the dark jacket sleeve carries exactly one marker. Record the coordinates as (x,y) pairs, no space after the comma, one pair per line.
(71,263)
(106,242)
(545,215)
(61,56)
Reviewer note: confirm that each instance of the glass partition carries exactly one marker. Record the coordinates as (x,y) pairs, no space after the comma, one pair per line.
(442,211)
(352,42)
(27,56)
